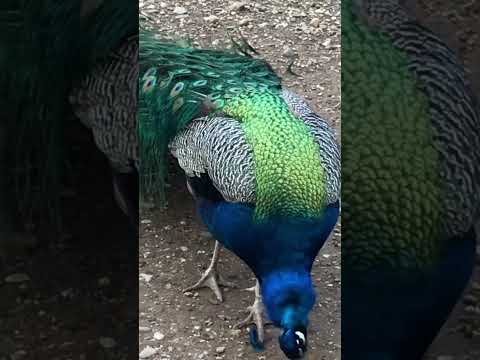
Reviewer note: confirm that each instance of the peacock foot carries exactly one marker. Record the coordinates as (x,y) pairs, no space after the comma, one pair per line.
(255,318)
(212,279)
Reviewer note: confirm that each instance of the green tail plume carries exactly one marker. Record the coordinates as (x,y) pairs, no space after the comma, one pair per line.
(179,83)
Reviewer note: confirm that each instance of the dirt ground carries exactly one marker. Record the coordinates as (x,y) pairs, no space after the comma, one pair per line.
(175,247)
(69,300)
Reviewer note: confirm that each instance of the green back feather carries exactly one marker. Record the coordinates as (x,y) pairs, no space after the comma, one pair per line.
(290,180)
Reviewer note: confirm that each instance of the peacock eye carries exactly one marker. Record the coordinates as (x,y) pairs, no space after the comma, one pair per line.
(177,89)
(149,84)
(301,338)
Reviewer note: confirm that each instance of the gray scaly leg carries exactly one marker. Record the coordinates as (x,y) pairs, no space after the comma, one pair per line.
(211,278)
(255,315)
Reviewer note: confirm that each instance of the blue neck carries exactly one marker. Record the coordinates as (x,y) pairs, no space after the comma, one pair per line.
(289,297)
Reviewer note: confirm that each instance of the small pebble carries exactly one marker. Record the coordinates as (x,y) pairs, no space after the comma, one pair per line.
(180,10)
(237,5)
(315,22)
(158,336)
(211,18)
(289,52)
(244,22)
(147,352)
(146,277)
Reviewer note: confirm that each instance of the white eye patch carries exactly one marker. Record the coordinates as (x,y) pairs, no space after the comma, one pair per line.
(300,335)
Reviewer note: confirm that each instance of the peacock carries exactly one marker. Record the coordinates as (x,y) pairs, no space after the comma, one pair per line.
(411,182)
(60,58)
(262,167)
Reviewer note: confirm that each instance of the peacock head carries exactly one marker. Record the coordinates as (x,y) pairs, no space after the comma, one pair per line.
(293,342)
(289,297)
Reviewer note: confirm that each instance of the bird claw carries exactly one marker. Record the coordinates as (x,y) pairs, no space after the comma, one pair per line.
(212,280)
(208,279)
(225,283)
(253,288)
(252,316)
(255,317)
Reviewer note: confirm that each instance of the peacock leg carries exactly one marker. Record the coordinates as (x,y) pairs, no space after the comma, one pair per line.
(255,316)
(211,278)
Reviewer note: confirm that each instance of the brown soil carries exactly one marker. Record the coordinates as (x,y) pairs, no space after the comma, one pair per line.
(76,298)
